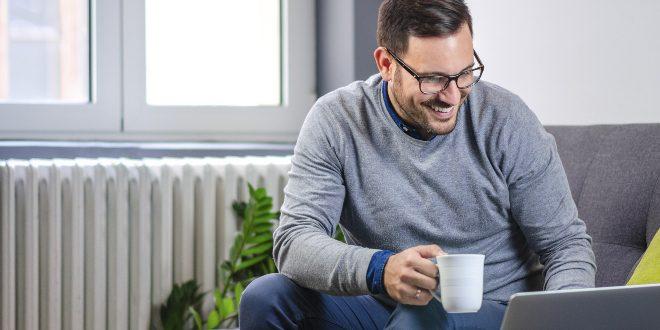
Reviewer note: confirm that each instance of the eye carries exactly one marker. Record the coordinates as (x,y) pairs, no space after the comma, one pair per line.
(466,73)
(434,80)
(432,85)
(469,77)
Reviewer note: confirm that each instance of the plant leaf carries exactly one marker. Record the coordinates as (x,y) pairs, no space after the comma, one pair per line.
(264,208)
(339,234)
(250,262)
(263,267)
(271,266)
(258,249)
(248,216)
(263,228)
(217,298)
(226,266)
(250,254)
(265,204)
(234,252)
(213,321)
(255,240)
(197,317)
(228,305)
(231,320)
(259,193)
(238,293)
(176,310)
(238,207)
(264,218)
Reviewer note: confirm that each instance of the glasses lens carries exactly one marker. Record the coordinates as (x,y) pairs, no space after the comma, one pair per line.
(468,78)
(432,85)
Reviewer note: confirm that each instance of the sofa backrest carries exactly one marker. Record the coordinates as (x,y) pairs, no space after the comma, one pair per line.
(614,175)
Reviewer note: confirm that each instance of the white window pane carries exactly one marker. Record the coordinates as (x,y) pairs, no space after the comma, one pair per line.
(213,52)
(44,51)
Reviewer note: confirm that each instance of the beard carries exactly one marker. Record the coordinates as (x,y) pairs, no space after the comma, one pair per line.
(420,116)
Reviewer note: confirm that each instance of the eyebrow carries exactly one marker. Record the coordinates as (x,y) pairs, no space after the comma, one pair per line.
(437,73)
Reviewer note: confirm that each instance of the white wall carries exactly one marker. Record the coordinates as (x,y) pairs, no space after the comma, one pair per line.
(574,62)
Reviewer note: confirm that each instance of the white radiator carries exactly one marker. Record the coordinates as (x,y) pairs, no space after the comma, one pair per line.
(98,243)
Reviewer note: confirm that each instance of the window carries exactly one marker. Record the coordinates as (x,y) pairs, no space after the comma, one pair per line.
(45,47)
(184,40)
(167,69)
(59,67)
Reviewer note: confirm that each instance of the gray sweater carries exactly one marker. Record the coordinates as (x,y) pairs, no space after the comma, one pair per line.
(493,186)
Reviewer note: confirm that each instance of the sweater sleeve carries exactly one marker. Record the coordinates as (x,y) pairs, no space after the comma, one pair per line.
(304,249)
(541,202)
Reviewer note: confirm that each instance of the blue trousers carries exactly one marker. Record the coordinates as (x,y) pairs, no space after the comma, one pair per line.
(275,302)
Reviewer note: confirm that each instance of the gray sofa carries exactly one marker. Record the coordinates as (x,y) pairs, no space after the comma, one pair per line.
(614,175)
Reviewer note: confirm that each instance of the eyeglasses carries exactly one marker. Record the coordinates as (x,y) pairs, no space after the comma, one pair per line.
(433,84)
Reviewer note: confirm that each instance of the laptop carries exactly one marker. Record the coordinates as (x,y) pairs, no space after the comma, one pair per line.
(617,307)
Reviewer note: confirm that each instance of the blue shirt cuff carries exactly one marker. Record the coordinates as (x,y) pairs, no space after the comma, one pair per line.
(376,270)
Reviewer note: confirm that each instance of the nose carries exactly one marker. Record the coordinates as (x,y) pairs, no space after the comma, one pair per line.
(451,94)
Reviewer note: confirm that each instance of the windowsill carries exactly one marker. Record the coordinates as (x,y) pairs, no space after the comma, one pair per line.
(94,149)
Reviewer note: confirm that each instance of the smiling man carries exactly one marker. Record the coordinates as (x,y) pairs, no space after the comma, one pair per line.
(434,110)
(422,159)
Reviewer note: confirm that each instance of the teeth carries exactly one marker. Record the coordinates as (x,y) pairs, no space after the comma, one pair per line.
(443,110)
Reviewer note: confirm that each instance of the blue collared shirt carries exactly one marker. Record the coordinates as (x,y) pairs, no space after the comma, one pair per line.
(411,131)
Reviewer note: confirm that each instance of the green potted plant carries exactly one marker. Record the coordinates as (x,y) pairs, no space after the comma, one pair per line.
(250,257)
(182,303)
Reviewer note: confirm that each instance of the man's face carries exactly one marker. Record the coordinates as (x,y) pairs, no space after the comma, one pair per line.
(432,55)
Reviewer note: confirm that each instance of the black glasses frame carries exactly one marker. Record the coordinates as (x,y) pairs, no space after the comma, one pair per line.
(451,78)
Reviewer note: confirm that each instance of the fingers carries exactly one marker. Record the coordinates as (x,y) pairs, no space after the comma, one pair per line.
(429,251)
(424,266)
(409,275)
(420,261)
(411,295)
(421,297)
(419,280)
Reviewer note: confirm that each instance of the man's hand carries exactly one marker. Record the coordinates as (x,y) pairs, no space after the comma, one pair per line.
(409,275)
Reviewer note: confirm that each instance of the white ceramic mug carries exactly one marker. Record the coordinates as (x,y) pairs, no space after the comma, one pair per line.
(461,282)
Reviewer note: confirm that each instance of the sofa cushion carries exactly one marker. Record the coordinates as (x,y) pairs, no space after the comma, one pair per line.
(613,172)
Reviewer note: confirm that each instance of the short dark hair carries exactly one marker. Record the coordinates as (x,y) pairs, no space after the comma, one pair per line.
(399,19)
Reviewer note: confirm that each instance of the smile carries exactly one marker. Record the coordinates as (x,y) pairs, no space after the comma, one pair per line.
(442,113)
(443,110)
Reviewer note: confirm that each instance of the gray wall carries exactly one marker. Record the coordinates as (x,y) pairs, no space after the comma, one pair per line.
(366,16)
(346,31)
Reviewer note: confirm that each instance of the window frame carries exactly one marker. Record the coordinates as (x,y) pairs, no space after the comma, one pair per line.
(282,121)
(119,110)
(101,114)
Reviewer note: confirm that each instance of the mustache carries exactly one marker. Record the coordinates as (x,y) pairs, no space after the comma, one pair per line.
(435,103)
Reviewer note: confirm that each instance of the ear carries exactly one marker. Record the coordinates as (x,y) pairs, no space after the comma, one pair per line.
(384,63)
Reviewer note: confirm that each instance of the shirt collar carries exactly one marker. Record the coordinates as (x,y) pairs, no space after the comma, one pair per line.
(409,130)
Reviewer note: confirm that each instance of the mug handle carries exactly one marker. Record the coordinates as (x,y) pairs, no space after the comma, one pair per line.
(436,293)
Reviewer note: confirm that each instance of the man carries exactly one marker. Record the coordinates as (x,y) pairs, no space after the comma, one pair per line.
(420,160)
